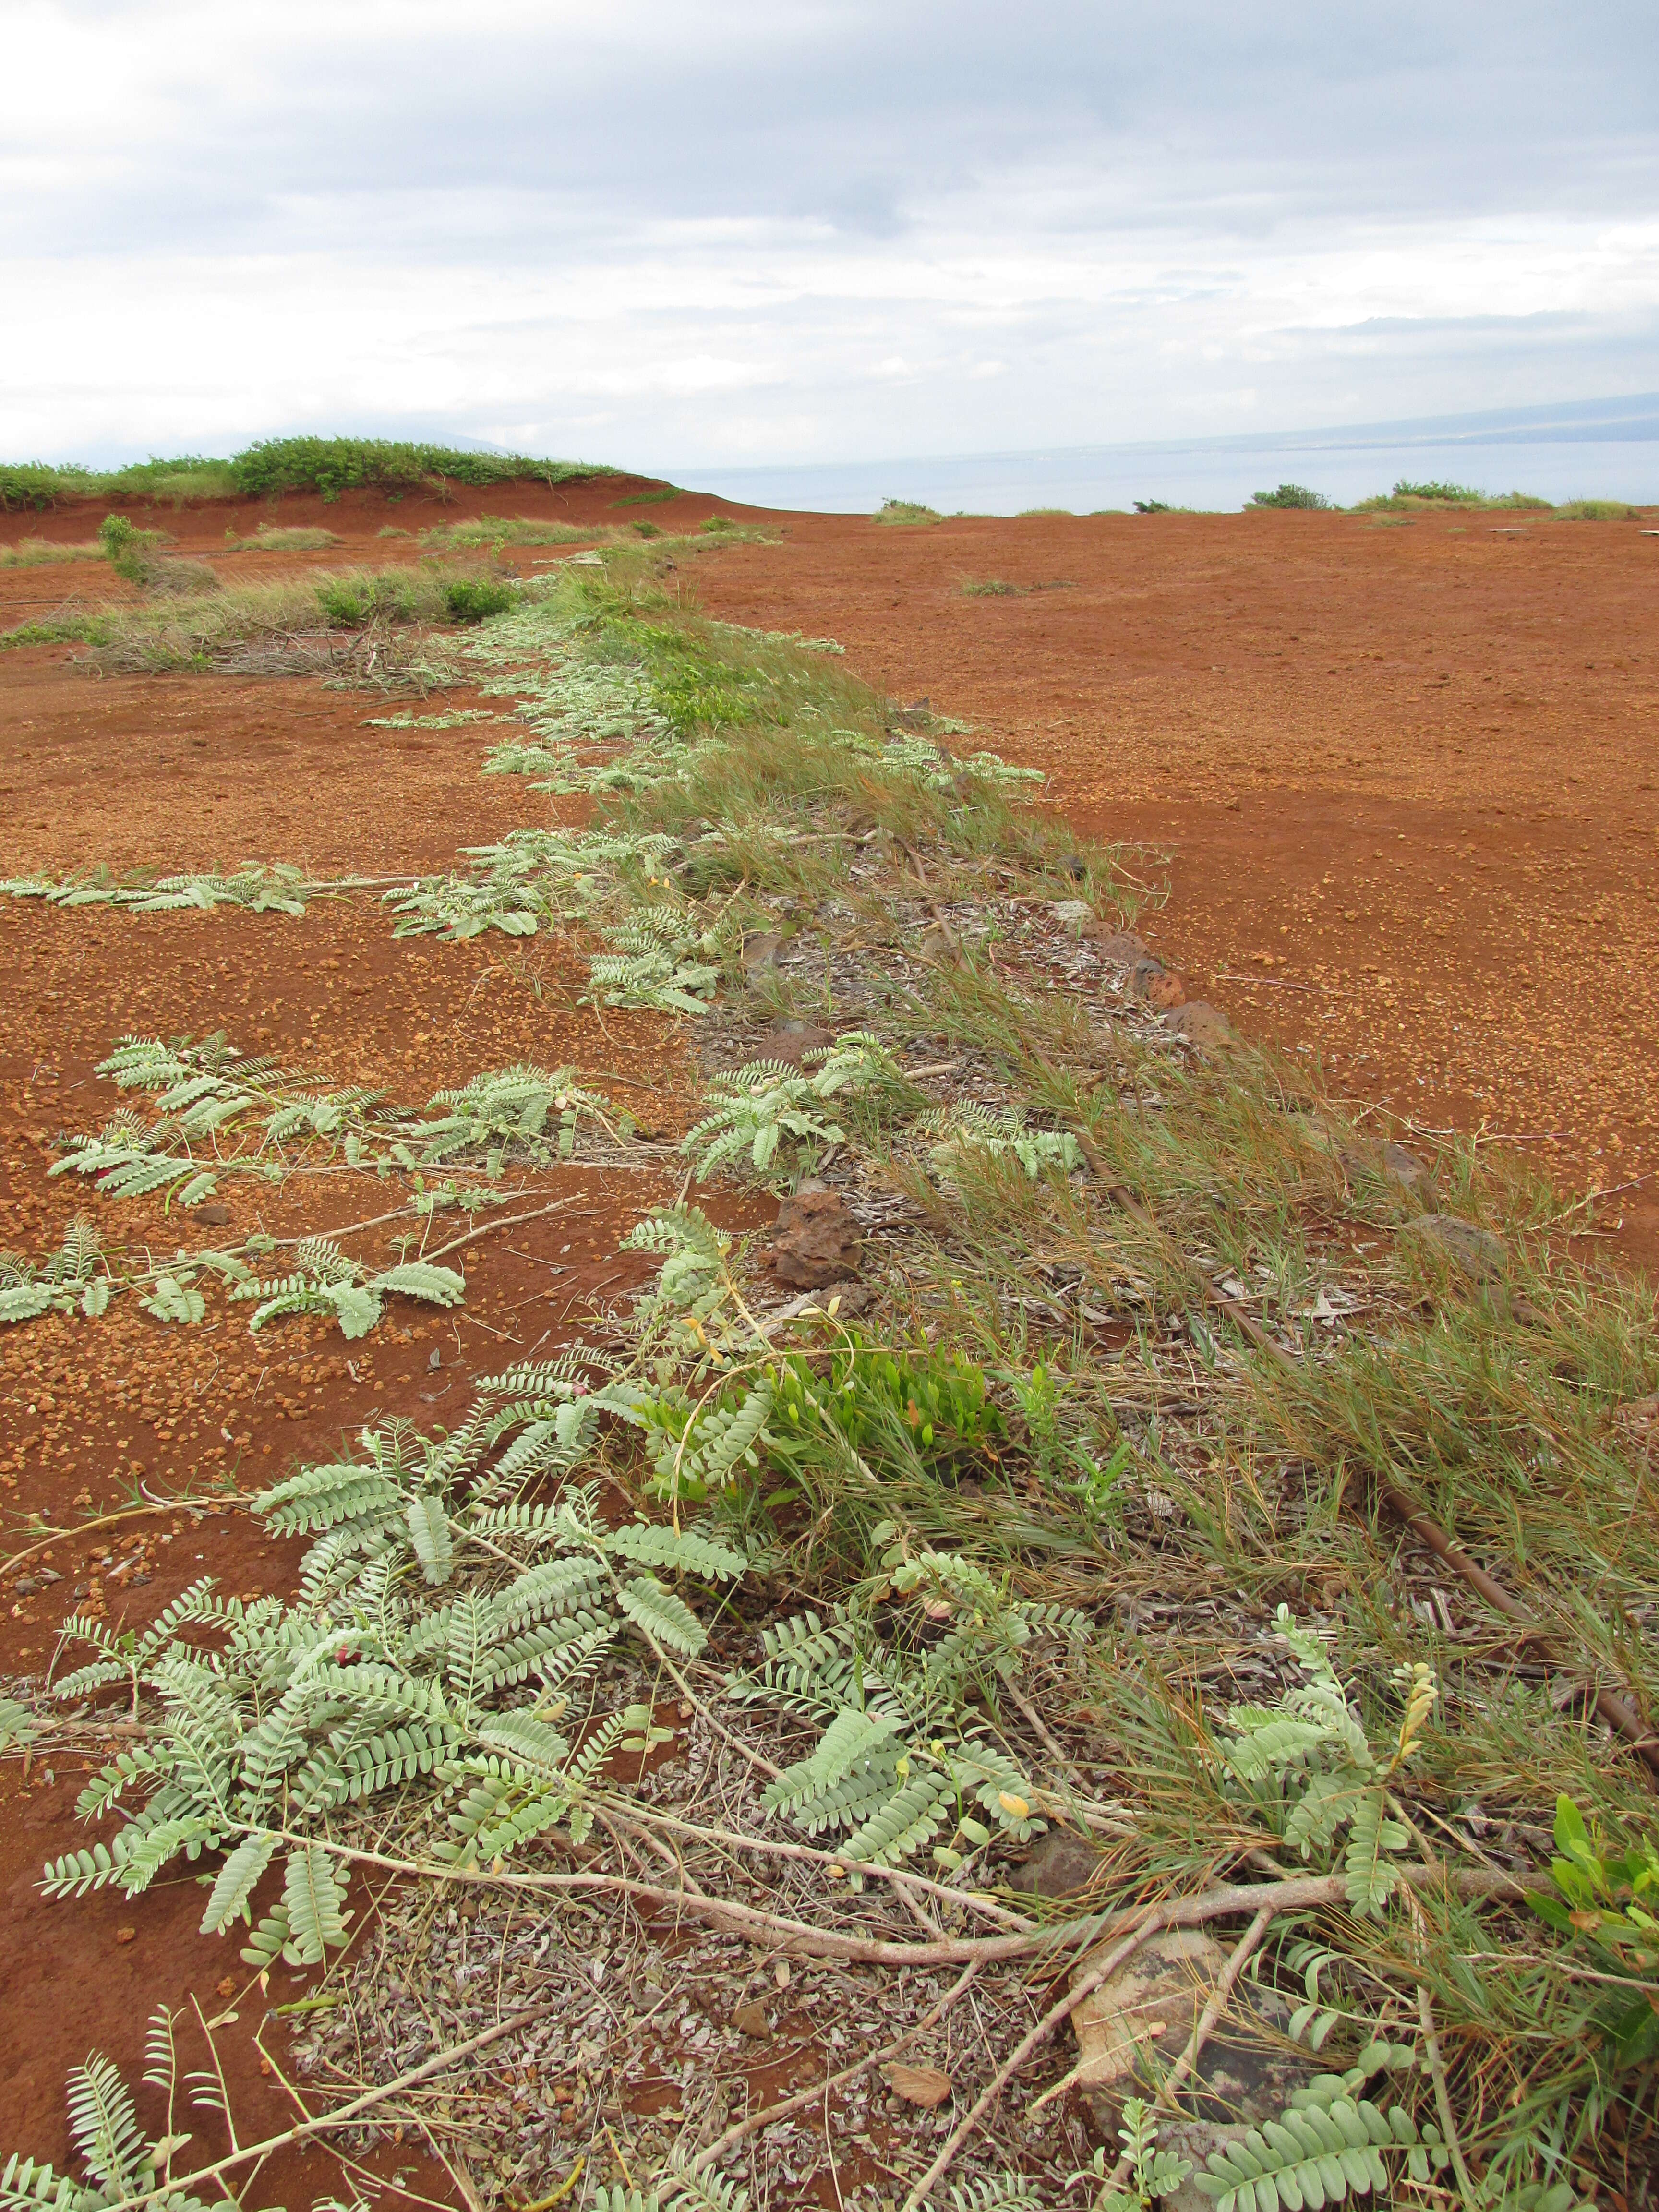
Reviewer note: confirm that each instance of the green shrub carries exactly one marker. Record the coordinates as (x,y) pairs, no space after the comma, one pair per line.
(474,599)
(37,484)
(124,546)
(991,587)
(1459,495)
(907,510)
(349,602)
(57,630)
(331,466)
(1290,495)
(1598,510)
(1153,506)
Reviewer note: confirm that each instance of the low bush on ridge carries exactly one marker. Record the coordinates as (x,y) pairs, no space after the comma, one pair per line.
(326,465)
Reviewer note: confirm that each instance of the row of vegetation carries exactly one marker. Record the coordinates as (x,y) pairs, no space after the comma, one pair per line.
(324,465)
(1406,498)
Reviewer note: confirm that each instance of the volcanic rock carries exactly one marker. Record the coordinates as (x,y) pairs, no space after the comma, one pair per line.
(816,1240)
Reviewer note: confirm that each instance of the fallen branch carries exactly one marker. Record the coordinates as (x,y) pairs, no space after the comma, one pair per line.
(800,1938)
(628,1810)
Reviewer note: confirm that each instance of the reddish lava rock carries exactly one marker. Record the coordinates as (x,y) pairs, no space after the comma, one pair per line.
(816,1240)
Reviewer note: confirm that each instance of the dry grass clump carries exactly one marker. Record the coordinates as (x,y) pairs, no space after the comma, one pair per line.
(43,552)
(269,537)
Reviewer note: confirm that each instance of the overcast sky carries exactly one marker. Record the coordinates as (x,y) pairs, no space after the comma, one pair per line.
(670,231)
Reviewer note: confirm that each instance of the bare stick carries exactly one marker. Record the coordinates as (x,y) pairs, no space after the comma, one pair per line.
(436,2064)
(627,1811)
(1039,2035)
(1443,2094)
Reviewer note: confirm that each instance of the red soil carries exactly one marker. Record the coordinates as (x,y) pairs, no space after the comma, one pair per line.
(1404,777)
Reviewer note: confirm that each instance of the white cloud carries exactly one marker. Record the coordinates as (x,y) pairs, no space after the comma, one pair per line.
(721,230)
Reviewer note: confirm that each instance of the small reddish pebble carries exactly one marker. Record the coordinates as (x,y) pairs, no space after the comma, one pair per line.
(226,1988)
(125,1935)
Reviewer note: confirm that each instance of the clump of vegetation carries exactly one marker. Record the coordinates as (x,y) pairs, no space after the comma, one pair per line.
(42,552)
(1599,510)
(907,510)
(331,466)
(1157,507)
(326,465)
(504,530)
(1463,494)
(41,483)
(124,546)
(269,537)
(299,625)
(989,588)
(1290,495)
(474,599)
(135,555)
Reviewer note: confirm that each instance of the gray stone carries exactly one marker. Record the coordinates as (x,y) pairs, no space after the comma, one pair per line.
(1076,913)
(1059,1865)
(1200,1023)
(1472,1249)
(1413,1174)
(1133,2029)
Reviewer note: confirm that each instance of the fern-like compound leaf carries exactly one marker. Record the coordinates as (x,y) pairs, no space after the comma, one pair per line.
(314,1899)
(237,1880)
(661,1617)
(105,2126)
(649,1545)
(429,1533)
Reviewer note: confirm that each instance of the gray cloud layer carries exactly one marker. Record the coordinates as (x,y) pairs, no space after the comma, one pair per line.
(731,231)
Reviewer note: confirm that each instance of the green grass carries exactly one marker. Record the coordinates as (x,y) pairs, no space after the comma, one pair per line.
(293,625)
(906,511)
(1028,514)
(989,588)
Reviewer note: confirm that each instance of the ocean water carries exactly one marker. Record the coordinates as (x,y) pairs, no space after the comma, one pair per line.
(1600,450)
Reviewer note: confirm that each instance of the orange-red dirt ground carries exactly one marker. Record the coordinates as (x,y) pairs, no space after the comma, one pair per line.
(1399,778)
